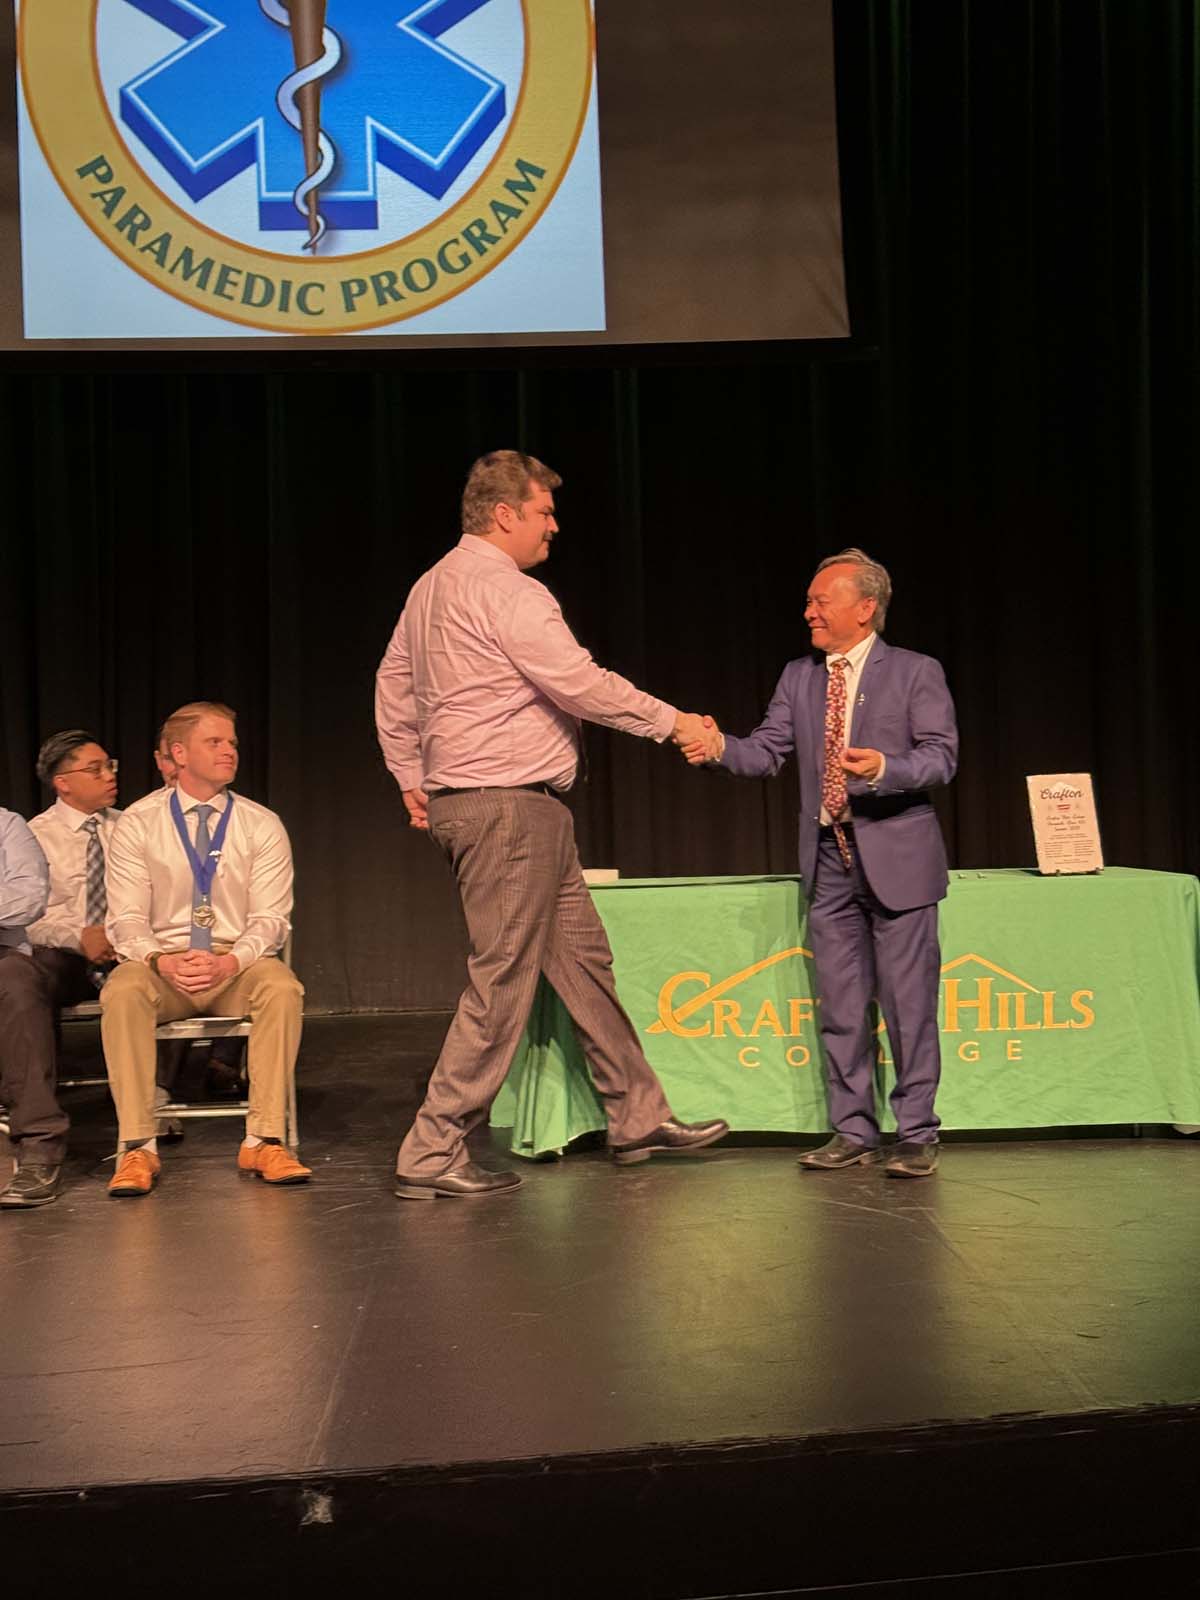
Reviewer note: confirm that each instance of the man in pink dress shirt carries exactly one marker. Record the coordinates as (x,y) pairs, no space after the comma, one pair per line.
(477,702)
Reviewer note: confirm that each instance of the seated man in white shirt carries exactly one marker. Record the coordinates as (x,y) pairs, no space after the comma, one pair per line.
(70,944)
(71,949)
(223,1074)
(199,900)
(67,947)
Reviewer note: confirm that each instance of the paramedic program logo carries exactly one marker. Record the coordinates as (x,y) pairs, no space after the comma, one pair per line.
(313,166)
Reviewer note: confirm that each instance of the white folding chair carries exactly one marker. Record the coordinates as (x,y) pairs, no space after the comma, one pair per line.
(86,1011)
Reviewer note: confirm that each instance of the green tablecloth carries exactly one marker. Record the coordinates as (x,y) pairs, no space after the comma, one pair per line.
(1064,1001)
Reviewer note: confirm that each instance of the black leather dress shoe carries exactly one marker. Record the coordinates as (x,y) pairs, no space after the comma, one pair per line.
(839,1152)
(678,1138)
(222,1080)
(462,1183)
(31,1185)
(909,1160)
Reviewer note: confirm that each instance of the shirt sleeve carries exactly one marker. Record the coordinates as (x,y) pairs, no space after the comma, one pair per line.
(127,885)
(59,925)
(59,929)
(396,712)
(540,645)
(24,875)
(268,894)
(761,753)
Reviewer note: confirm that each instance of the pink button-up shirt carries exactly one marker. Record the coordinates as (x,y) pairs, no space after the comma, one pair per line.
(483,682)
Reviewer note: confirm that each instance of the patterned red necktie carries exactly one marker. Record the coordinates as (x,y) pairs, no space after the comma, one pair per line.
(833,781)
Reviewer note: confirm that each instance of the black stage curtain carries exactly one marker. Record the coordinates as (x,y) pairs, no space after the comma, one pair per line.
(1013,431)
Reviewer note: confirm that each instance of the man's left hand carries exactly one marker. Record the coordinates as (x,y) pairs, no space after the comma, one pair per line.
(866,764)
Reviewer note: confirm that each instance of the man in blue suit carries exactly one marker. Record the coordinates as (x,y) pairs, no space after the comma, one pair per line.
(873,730)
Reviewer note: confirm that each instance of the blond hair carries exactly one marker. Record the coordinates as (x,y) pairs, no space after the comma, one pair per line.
(180,725)
(502,476)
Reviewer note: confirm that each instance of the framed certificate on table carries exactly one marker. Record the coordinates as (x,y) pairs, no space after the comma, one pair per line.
(1066,833)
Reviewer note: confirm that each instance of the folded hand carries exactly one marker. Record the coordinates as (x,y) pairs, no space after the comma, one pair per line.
(194,971)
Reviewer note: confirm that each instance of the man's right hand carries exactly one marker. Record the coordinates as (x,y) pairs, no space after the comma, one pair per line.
(700,740)
(93,941)
(688,729)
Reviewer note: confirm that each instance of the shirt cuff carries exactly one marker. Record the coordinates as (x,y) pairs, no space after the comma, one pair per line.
(665,725)
(138,949)
(245,954)
(54,936)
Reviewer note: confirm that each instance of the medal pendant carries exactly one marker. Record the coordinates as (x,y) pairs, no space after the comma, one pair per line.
(204,916)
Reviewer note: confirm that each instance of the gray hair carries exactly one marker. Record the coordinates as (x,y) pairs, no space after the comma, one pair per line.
(870,578)
(56,750)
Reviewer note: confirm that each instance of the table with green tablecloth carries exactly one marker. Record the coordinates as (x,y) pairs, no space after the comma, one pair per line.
(1064,1001)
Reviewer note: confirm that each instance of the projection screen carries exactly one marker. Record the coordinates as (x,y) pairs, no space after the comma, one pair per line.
(419,172)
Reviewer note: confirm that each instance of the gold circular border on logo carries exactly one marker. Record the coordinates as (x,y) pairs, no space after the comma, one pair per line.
(74,126)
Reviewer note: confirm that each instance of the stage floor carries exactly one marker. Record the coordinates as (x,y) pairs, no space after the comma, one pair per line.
(219,1329)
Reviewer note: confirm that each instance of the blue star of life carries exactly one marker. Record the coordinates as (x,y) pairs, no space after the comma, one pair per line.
(398,97)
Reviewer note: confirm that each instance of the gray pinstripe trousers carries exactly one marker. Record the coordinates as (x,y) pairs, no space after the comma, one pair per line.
(528,911)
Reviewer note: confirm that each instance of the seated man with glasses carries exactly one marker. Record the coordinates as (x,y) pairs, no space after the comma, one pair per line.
(75,832)
(69,956)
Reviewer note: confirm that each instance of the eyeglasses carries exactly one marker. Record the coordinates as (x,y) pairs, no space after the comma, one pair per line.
(93,768)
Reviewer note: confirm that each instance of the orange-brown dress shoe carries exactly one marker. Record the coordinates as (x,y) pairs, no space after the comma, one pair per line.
(273,1163)
(137,1171)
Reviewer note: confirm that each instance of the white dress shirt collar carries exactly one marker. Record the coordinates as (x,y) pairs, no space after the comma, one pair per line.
(855,656)
(188,802)
(73,819)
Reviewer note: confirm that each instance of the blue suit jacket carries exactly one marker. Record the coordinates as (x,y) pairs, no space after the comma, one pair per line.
(903,708)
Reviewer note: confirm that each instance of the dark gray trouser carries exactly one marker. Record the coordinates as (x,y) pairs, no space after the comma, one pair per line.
(31,991)
(528,911)
(863,952)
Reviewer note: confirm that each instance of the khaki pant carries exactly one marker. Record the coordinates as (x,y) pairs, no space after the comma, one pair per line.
(135,1000)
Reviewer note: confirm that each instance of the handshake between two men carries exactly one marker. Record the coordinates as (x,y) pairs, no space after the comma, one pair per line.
(700,740)
(478,696)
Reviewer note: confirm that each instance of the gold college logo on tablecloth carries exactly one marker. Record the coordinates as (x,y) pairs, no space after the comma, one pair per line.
(709,1012)
(227,118)
(996,1007)
(991,1005)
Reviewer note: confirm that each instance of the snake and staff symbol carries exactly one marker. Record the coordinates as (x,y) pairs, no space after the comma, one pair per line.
(317,51)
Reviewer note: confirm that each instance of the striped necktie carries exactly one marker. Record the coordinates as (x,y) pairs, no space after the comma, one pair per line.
(96,908)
